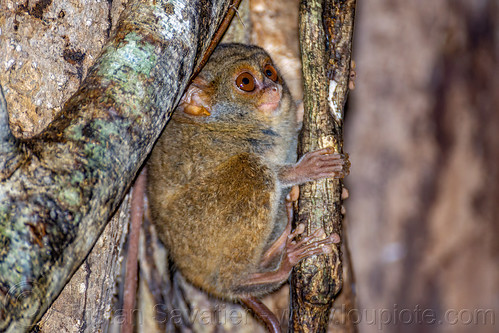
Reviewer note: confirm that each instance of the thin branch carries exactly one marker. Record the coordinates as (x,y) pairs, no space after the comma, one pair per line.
(316,281)
(137,214)
(218,36)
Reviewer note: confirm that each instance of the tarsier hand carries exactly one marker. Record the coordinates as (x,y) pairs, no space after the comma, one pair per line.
(319,164)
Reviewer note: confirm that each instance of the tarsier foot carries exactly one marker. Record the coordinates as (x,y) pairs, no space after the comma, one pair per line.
(293,195)
(294,252)
(316,243)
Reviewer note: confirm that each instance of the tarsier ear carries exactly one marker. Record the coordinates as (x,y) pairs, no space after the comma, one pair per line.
(196,100)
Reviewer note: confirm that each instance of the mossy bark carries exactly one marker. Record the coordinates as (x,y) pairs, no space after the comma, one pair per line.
(59,188)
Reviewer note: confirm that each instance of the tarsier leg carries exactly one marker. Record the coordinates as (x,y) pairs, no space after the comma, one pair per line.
(278,246)
(262,312)
(294,252)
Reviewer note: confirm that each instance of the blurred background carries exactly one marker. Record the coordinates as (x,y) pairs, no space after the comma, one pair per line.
(423,133)
(421,128)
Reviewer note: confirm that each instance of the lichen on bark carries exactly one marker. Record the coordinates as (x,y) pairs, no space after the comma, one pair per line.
(60,187)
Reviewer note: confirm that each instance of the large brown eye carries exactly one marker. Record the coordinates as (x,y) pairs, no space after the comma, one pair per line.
(245,81)
(270,72)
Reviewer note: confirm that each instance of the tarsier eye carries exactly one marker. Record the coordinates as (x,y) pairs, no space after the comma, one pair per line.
(270,72)
(245,81)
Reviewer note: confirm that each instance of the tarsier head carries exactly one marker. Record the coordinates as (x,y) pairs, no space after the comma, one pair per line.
(238,81)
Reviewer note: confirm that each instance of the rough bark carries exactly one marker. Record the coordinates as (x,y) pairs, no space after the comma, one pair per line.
(326,37)
(341,319)
(47,51)
(59,189)
(88,302)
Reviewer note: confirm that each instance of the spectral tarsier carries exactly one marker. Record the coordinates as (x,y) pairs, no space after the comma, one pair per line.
(219,175)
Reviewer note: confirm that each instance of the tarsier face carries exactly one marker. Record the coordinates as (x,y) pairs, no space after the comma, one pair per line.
(237,83)
(263,88)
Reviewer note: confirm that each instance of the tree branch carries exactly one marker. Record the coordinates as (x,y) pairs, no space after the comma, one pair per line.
(325,36)
(59,189)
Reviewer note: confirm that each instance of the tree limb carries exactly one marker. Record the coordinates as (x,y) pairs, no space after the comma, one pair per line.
(59,189)
(325,36)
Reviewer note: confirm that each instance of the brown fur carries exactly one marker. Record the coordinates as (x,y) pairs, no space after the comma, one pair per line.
(213,185)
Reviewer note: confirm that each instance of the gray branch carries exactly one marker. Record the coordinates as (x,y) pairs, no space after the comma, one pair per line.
(58,190)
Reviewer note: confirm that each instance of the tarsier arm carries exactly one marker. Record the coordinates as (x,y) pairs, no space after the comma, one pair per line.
(322,163)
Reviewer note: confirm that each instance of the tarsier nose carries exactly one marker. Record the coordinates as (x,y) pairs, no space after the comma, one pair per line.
(270,100)
(275,91)
(274,94)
